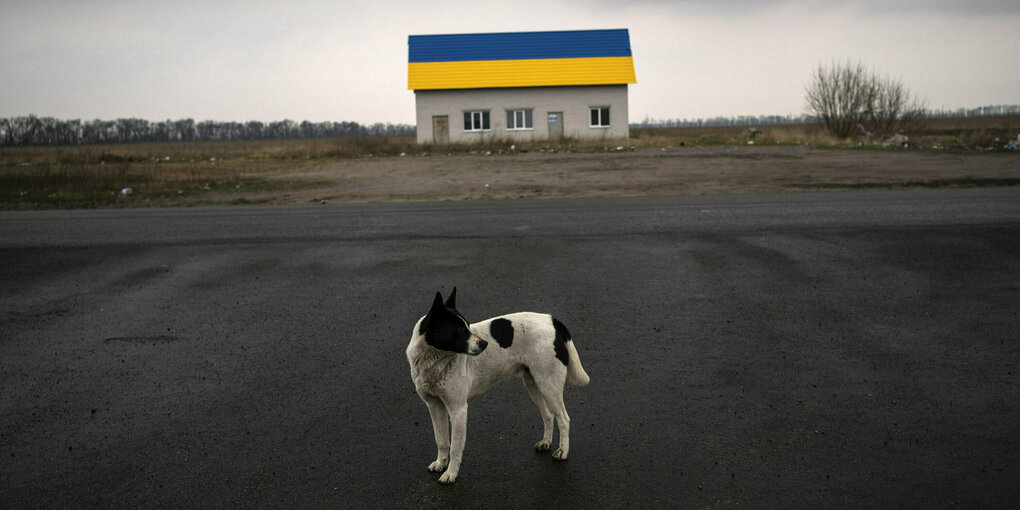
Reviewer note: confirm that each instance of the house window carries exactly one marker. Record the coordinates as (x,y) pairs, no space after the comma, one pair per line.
(519,119)
(476,121)
(599,116)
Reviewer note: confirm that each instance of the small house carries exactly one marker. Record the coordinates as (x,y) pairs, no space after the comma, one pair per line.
(520,86)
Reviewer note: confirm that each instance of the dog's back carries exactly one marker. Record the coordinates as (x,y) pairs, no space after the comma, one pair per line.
(528,341)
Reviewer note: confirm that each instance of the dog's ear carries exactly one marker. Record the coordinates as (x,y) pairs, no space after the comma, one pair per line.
(437,305)
(451,302)
(437,308)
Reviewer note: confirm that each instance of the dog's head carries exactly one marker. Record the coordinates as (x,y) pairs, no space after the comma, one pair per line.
(446,329)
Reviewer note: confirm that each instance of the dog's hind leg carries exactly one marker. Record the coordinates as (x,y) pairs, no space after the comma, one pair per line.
(547,415)
(441,430)
(554,399)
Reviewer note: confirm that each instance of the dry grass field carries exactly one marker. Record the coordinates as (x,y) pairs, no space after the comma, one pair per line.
(942,152)
(968,133)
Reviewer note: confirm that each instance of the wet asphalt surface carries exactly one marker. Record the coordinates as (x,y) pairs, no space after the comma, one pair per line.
(800,351)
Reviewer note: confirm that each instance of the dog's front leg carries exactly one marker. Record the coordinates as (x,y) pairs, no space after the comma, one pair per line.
(441,431)
(458,424)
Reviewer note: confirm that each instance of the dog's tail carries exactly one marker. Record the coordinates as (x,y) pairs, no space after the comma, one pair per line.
(575,372)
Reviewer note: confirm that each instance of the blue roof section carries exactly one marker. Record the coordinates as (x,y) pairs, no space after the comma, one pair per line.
(519,45)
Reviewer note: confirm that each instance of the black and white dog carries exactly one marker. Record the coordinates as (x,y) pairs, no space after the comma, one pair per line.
(452,361)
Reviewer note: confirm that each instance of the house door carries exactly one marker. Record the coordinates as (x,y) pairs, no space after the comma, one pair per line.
(441,129)
(555,125)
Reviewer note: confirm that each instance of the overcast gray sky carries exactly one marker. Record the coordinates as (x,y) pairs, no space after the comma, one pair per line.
(347,60)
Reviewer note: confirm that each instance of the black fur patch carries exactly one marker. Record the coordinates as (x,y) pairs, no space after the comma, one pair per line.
(445,329)
(503,331)
(560,342)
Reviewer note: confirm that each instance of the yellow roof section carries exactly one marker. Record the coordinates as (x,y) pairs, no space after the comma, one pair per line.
(520,73)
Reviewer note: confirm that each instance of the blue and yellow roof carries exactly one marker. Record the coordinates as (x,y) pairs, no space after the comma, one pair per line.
(520,59)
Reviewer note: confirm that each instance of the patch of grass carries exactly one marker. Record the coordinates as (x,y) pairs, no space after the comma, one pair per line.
(44,185)
(961,182)
(94,175)
(195,152)
(279,151)
(971,133)
(781,135)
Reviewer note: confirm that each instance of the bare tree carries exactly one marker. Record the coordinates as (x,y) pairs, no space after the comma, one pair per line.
(894,107)
(848,97)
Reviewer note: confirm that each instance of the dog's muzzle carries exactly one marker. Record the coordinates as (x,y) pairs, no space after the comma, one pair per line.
(476,346)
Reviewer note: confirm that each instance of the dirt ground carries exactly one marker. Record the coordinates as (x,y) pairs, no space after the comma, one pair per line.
(626,172)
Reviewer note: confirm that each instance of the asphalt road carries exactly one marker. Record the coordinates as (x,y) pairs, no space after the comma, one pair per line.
(801,351)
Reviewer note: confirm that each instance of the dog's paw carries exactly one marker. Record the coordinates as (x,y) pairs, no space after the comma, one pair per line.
(448,477)
(560,454)
(438,465)
(542,446)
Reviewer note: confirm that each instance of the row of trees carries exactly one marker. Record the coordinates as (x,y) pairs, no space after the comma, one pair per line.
(742,120)
(764,120)
(981,111)
(32,130)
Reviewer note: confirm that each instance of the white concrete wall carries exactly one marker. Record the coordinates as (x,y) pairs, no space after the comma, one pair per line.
(574,102)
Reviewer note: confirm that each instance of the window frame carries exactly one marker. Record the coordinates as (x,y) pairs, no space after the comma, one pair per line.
(604,121)
(484,121)
(526,115)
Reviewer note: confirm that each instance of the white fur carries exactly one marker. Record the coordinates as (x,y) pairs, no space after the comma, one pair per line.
(445,380)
